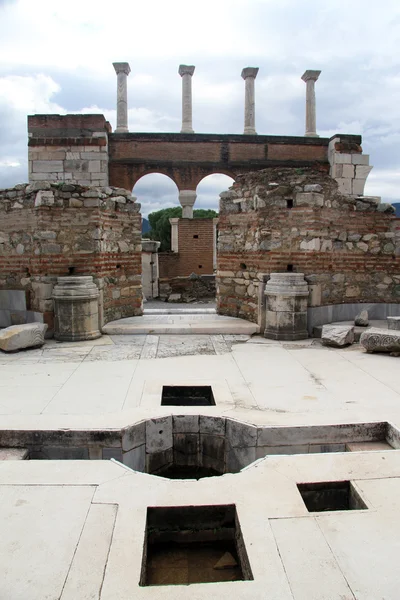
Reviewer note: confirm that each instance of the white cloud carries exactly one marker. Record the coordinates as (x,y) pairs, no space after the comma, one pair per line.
(56,58)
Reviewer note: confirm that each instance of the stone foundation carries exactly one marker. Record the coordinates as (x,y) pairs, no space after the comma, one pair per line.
(280,220)
(49,230)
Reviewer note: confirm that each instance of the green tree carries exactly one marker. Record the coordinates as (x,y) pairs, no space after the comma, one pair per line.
(160,227)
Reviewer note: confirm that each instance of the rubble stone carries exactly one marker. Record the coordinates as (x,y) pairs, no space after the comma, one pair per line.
(337,335)
(380,340)
(18,337)
(361,319)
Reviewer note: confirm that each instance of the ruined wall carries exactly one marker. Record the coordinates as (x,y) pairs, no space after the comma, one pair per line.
(70,148)
(295,219)
(49,230)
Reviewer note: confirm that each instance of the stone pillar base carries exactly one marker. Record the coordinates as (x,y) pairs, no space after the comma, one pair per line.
(286,307)
(76,309)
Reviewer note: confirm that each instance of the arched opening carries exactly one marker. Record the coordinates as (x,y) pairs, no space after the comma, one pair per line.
(209,189)
(155,192)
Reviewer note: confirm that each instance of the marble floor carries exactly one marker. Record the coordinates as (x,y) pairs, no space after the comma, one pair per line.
(76,529)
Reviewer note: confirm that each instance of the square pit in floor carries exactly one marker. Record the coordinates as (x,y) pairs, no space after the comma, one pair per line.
(330,495)
(187,395)
(193,544)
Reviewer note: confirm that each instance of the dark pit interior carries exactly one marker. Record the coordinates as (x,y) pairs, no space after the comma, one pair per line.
(188,472)
(331,495)
(193,544)
(187,395)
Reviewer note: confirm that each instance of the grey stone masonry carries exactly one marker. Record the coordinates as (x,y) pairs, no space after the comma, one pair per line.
(68,148)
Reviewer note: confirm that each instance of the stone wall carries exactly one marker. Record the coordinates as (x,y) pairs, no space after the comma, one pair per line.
(70,148)
(58,229)
(279,220)
(187,289)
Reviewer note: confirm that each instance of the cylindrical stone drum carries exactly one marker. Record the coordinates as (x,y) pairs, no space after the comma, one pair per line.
(76,309)
(286,307)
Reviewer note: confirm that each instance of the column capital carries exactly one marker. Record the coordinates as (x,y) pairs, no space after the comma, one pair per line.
(249,72)
(186,70)
(122,67)
(310,75)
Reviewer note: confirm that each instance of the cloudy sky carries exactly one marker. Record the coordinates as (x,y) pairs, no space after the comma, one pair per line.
(55,57)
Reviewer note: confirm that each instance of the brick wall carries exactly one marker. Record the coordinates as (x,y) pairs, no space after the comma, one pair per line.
(71,148)
(195,250)
(49,230)
(187,159)
(278,220)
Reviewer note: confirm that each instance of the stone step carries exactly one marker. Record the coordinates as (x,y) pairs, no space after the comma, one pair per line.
(14,453)
(180,311)
(180,324)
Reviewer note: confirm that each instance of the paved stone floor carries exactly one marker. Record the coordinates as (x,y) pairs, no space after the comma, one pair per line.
(75,529)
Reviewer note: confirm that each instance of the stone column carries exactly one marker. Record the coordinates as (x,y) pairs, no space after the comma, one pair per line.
(215,236)
(174,234)
(249,75)
(187,198)
(76,309)
(310,77)
(122,70)
(286,307)
(186,72)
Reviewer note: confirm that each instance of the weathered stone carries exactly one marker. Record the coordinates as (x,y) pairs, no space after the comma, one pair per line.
(380,340)
(286,307)
(337,335)
(393,323)
(44,198)
(361,320)
(18,337)
(76,309)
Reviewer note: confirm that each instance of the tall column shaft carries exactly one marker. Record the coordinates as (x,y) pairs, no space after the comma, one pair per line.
(186,72)
(249,75)
(310,77)
(122,70)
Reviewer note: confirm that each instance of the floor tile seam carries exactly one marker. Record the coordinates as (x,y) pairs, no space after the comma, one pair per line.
(156,351)
(314,378)
(108,551)
(60,388)
(281,559)
(316,520)
(129,385)
(77,545)
(370,374)
(232,356)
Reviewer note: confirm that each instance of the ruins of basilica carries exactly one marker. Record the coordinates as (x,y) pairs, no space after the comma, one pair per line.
(149,448)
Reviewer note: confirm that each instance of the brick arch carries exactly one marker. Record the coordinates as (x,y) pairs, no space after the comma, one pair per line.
(156,172)
(226,172)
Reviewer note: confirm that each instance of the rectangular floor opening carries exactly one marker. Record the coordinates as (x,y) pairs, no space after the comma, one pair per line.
(193,544)
(187,395)
(331,495)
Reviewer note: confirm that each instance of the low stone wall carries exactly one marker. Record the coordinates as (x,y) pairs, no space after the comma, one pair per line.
(280,220)
(224,444)
(49,230)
